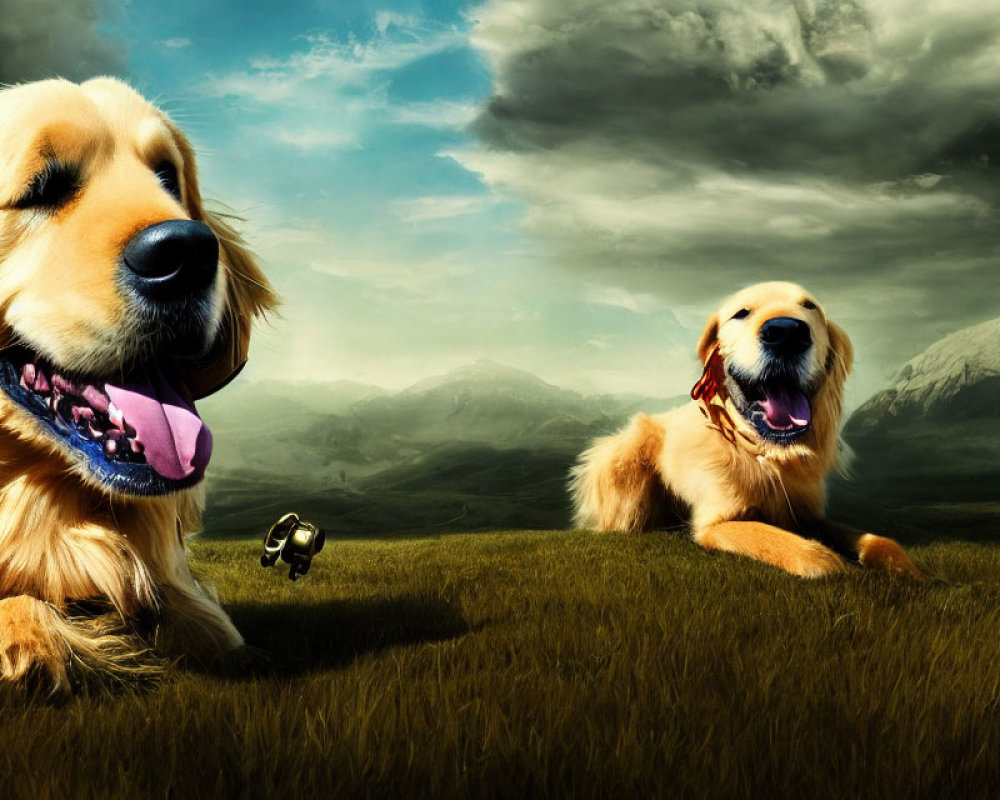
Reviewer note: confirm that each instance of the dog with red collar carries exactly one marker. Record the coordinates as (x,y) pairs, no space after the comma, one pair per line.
(744,463)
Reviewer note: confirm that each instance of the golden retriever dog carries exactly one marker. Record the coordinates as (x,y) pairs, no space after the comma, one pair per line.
(123,301)
(744,462)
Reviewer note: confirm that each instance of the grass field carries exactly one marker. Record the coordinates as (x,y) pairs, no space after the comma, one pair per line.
(551,664)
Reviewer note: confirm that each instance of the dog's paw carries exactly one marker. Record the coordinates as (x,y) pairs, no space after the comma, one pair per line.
(814,560)
(43,648)
(880,552)
(31,642)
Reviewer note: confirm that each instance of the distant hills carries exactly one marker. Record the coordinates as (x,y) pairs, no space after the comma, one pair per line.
(927,448)
(487,446)
(483,446)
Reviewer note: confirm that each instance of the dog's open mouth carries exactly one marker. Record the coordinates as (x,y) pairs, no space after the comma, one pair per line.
(139,434)
(778,409)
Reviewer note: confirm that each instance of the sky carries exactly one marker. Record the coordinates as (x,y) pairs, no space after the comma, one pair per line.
(570,186)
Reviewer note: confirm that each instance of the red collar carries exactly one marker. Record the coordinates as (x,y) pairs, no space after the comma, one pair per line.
(712,379)
(710,390)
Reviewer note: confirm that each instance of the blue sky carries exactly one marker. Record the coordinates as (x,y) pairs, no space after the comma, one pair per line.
(333,130)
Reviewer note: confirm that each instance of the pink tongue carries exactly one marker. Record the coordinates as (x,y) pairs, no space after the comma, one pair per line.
(784,410)
(176,443)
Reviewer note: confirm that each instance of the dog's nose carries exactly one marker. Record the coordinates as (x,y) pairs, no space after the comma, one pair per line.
(171,259)
(785,335)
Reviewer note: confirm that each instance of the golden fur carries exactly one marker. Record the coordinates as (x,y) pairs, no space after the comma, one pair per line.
(63,538)
(705,464)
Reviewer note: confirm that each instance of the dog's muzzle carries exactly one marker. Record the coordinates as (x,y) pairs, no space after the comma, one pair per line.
(775,399)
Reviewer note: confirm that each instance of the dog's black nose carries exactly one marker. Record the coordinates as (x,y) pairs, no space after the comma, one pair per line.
(785,335)
(171,259)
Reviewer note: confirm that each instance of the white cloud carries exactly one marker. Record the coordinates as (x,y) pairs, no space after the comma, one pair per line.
(331,65)
(435,114)
(573,196)
(386,19)
(312,245)
(617,297)
(431,207)
(329,91)
(176,43)
(308,139)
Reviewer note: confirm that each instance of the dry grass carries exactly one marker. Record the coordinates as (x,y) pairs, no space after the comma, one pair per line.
(552,664)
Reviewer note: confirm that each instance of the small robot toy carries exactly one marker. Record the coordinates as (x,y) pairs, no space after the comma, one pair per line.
(295,541)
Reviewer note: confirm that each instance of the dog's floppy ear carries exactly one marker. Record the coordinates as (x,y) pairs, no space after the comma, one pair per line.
(709,337)
(840,359)
(248,293)
(829,401)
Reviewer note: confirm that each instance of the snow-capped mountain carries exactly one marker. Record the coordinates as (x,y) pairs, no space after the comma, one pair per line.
(927,448)
(955,379)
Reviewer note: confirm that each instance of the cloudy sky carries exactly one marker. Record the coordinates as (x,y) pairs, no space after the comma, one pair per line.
(569,186)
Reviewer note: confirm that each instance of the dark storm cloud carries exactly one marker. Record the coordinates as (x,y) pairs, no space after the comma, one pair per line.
(48,38)
(769,86)
(689,147)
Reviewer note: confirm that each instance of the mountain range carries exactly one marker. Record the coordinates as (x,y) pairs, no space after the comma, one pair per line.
(488,446)
(483,446)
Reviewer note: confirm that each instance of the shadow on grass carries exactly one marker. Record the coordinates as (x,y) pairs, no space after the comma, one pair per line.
(293,639)
(283,640)
(916,520)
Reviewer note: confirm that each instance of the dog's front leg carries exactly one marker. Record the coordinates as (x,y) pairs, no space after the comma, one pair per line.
(772,545)
(192,624)
(872,551)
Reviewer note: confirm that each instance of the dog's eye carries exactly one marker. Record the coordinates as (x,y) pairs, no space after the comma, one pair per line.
(809,304)
(167,173)
(51,188)
(743,313)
